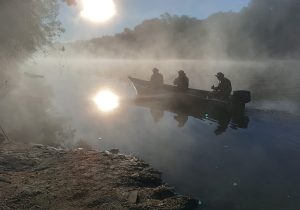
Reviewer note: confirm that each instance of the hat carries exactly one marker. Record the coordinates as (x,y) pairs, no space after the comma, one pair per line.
(219,74)
(181,72)
(155,70)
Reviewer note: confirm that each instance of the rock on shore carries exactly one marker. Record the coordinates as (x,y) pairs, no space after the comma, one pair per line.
(42,177)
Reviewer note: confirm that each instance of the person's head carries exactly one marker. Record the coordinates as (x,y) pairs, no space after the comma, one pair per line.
(155,70)
(220,75)
(181,73)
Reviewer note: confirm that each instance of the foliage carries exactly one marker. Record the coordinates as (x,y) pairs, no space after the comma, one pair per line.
(264,28)
(27,25)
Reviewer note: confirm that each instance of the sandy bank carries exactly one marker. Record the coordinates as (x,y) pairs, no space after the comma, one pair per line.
(42,177)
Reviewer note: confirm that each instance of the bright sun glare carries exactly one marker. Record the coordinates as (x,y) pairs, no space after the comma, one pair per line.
(98,10)
(106,100)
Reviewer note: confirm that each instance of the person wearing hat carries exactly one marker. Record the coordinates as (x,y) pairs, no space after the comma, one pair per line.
(223,90)
(182,81)
(157,79)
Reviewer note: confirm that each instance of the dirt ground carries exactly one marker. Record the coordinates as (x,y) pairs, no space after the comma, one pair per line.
(43,177)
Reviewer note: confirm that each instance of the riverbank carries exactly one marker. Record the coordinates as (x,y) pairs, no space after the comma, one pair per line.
(43,177)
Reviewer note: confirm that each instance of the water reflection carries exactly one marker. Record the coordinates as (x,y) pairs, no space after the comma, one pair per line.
(181,119)
(222,117)
(106,101)
(262,159)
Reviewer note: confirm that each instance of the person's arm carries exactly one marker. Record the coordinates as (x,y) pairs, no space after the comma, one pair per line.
(162,79)
(215,88)
(219,87)
(152,78)
(187,83)
(229,86)
(175,81)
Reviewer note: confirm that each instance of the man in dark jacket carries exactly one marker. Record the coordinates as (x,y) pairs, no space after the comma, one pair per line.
(223,90)
(182,81)
(157,79)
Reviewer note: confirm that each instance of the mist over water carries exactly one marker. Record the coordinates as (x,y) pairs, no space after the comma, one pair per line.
(243,165)
(240,165)
(49,99)
(74,82)
(276,80)
(222,35)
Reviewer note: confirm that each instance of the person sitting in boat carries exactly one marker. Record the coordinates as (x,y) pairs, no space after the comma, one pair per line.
(223,90)
(157,79)
(182,81)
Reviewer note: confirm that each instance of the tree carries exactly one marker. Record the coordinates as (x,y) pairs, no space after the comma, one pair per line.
(27,25)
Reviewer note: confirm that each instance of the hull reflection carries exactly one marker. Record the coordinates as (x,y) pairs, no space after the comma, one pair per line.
(218,114)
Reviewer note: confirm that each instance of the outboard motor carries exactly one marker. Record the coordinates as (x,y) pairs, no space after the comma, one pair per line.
(239,99)
(242,96)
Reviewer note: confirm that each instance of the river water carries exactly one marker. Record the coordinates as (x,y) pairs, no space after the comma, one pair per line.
(246,163)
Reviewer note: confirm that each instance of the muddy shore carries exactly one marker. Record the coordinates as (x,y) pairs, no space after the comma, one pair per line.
(41,177)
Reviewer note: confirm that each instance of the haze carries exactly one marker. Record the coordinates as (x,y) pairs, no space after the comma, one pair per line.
(59,62)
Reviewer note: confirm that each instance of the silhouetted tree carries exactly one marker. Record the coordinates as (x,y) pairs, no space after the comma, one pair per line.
(263,28)
(26,26)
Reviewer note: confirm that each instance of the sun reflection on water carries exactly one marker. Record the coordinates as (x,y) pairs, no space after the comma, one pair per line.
(106,101)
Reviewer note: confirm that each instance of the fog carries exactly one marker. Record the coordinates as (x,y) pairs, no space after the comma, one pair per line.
(74,82)
(263,29)
(46,88)
(188,156)
(26,110)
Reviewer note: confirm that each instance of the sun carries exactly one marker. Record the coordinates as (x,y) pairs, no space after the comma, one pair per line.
(106,100)
(98,10)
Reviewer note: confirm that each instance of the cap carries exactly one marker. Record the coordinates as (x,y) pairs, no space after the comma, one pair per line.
(219,74)
(155,70)
(181,72)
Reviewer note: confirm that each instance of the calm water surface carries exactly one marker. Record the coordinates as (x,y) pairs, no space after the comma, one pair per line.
(247,163)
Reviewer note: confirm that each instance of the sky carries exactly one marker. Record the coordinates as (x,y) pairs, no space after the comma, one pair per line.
(132,12)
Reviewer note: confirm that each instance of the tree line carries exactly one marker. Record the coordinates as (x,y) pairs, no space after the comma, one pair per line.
(265,28)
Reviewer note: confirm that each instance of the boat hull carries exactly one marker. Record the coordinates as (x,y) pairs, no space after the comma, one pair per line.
(190,99)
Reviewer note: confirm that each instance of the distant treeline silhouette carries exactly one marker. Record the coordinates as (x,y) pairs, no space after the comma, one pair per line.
(265,28)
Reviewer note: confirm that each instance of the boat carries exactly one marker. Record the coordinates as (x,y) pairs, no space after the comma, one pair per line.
(201,99)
